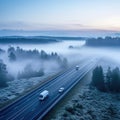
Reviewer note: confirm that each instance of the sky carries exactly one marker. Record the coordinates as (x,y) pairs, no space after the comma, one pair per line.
(60,14)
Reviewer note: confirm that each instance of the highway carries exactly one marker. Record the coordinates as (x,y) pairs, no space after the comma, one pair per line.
(30,107)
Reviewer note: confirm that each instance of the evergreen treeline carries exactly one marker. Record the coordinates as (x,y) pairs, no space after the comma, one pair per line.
(107,82)
(107,41)
(36,39)
(30,40)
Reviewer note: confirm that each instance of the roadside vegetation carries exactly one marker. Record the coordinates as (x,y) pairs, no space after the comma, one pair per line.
(91,104)
(98,99)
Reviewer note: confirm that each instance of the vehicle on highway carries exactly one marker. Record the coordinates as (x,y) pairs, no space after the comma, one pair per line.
(61,89)
(77,67)
(43,95)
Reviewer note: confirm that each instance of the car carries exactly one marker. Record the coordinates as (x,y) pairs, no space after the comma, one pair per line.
(61,89)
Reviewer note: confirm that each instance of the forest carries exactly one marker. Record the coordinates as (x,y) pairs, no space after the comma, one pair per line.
(33,63)
(23,39)
(106,82)
(103,42)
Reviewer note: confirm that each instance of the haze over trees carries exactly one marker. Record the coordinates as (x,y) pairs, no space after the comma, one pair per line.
(4,76)
(102,42)
(28,63)
(1,51)
(16,54)
(28,72)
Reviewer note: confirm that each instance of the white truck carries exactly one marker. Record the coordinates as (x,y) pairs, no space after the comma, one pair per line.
(77,67)
(43,95)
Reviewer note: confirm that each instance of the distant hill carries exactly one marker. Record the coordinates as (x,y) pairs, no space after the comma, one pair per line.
(20,39)
(35,39)
(64,38)
(117,34)
(101,42)
(61,33)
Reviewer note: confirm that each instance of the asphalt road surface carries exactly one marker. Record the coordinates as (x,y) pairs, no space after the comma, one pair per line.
(31,108)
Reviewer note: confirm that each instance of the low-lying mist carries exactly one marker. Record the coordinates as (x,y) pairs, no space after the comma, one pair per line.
(51,57)
(19,60)
(110,53)
(18,56)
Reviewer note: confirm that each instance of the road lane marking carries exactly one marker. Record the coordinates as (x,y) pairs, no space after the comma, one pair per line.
(20,112)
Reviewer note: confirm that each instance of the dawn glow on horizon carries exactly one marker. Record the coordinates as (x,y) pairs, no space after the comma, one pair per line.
(60,14)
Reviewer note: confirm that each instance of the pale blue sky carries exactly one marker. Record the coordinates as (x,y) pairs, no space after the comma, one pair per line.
(60,14)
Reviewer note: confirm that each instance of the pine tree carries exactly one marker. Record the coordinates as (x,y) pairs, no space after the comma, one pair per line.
(12,56)
(115,82)
(98,78)
(3,75)
(108,79)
